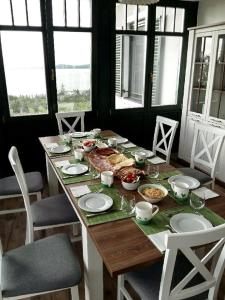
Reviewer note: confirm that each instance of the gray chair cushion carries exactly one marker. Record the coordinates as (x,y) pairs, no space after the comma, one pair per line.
(45,265)
(53,210)
(9,185)
(146,281)
(200,176)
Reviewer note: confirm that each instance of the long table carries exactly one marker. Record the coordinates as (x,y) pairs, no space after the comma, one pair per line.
(120,245)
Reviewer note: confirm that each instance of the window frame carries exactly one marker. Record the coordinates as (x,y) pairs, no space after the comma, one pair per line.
(151,34)
(47,29)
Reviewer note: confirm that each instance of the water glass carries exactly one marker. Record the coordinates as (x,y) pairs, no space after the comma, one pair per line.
(152,171)
(197,203)
(94,173)
(128,203)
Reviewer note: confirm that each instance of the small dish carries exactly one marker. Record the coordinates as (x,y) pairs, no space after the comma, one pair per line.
(149,198)
(130,182)
(89,145)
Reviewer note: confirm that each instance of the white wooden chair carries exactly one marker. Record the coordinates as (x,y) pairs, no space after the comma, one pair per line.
(54,211)
(164,145)
(61,119)
(9,189)
(206,148)
(44,266)
(184,275)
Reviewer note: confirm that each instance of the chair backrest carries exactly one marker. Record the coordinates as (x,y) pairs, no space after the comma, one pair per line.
(61,119)
(211,276)
(164,145)
(18,170)
(206,147)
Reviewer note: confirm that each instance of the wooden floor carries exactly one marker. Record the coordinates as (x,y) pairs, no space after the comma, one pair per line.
(12,233)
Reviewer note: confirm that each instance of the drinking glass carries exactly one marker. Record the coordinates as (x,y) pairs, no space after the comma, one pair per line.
(197,203)
(152,171)
(128,203)
(94,173)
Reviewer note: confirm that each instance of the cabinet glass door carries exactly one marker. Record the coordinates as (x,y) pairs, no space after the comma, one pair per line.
(217,108)
(200,76)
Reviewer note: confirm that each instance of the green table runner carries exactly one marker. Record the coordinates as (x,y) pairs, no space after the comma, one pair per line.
(74,179)
(110,216)
(161,219)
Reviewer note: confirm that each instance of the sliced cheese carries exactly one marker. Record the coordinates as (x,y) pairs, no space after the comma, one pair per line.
(126,163)
(116,158)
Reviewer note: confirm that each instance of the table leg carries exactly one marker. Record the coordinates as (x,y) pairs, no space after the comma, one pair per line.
(52,179)
(93,268)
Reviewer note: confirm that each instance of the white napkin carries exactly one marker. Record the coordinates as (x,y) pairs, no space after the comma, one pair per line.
(158,239)
(78,191)
(51,145)
(156,160)
(203,191)
(62,163)
(128,145)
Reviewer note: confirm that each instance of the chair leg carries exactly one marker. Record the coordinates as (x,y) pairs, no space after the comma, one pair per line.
(74,293)
(120,285)
(29,235)
(38,195)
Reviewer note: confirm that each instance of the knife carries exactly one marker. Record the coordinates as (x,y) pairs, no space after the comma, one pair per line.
(102,213)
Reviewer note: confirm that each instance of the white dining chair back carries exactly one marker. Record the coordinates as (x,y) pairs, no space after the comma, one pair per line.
(185,242)
(62,119)
(19,173)
(165,143)
(206,147)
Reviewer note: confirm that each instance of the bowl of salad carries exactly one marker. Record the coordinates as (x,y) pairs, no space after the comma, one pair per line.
(88,145)
(130,181)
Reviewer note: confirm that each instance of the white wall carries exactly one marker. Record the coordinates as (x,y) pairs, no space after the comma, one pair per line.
(211,11)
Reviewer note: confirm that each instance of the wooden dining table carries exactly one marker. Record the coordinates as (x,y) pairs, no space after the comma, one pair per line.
(120,244)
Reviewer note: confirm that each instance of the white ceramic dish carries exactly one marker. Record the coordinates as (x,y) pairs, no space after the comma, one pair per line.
(130,186)
(190,181)
(147,153)
(75,169)
(102,145)
(60,149)
(156,186)
(188,222)
(79,134)
(121,140)
(95,202)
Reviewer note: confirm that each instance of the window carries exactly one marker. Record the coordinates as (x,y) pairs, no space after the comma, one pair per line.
(35,54)
(72,43)
(23,57)
(133,31)
(167,55)
(131,45)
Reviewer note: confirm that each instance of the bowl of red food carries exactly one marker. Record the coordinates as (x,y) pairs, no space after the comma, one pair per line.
(88,145)
(130,181)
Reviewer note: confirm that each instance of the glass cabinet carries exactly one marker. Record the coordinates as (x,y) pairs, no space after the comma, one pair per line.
(200,75)
(217,105)
(204,90)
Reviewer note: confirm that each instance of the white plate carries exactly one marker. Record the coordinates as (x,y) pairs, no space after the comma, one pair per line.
(121,140)
(75,169)
(187,222)
(79,134)
(148,153)
(60,149)
(95,202)
(192,182)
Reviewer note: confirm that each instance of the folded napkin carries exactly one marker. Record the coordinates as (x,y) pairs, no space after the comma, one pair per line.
(62,163)
(79,191)
(128,145)
(158,239)
(51,145)
(205,192)
(156,160)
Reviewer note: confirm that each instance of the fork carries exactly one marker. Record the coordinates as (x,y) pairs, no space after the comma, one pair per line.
(103,212)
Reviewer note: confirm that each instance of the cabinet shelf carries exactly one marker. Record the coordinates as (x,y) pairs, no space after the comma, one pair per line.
(199,88)
(201,63)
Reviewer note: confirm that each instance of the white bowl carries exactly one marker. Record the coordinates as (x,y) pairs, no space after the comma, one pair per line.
(156,186)
(88,149)
(130,186)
